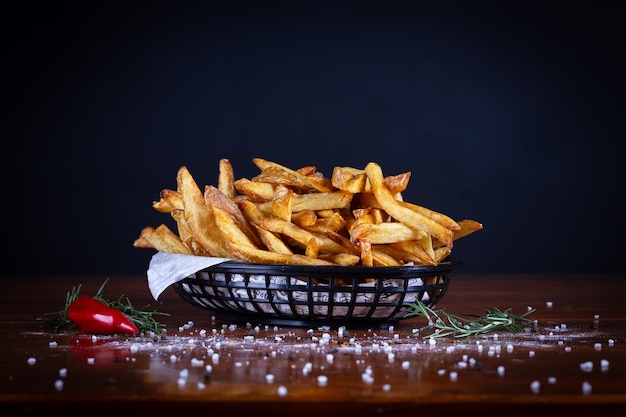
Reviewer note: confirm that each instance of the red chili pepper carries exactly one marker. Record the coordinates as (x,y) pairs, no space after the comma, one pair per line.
(92,316)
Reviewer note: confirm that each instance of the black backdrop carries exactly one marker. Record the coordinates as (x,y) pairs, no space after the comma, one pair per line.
(507,112)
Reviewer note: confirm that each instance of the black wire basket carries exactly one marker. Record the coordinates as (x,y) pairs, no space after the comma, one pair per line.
(296,295)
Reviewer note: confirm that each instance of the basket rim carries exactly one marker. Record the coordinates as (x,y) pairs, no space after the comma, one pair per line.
(409,271)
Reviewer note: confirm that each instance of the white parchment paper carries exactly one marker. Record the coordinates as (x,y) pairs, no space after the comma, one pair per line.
(166,269)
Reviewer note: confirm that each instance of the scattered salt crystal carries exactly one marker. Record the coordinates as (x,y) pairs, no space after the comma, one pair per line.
(560,343)
(542,337)
(367,378)
(563,326)
(52,344)
(568,348)
(63,372)
(91,361)
(432,341)
(405,364)
(173,358)
(551,380)
(534,387)
(329,358)
(597,346)
(462,365)
(501,370)
(58,385)
(611,342)
(201,385)
(549,304)
(454,376)
(269,378)
(238,364)
(586,366)
(183,373)
(386,387)
(322,380)
(509,348)
(282,391)
(390,356)
(396,336)
(531,353)
(441,372)
(32,361)
(586,387)
(604,364)
(94,338)
(181,382)
(215,358)
(529,308)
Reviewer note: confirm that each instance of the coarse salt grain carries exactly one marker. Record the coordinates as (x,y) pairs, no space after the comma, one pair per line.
(32,361)
(405,364)
(549,304)
(551,380)
(53,344)
(269,378)
(91,361)
(586,366)
(531,353)
(282,391)
(386,387)
(604,364)
(535,386)
(501,370)
(586,388)
(454,376)
(597,346)
(58,385)
(322,380)
(63,372)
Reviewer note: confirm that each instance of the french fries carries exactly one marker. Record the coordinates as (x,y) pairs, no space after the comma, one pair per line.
(357,217)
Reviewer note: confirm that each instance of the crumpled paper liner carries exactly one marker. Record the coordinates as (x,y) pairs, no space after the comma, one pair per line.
(166,269)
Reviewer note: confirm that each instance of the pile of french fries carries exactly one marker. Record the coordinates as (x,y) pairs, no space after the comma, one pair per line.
(300,217)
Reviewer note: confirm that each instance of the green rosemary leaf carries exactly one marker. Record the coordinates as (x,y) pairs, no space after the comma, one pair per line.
(444,324)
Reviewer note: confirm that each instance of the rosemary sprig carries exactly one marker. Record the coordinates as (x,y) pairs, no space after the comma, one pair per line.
(447,324)
(143,319)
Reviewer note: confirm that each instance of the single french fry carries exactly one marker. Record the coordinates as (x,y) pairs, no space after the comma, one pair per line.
(256,191)
(184,231)
(282,202)
(304,218)
(170,200)
(226,179)
(388,232)
(349,180)
(272,241)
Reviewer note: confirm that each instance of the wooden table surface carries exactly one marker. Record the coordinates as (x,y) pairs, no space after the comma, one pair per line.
(573,362)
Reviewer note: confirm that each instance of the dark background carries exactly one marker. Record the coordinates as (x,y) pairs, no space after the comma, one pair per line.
(507,112)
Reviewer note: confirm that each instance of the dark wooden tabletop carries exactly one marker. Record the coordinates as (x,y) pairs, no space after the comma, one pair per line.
(571,361)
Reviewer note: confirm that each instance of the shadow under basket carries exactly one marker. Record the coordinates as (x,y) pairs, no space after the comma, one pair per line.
(297,295)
